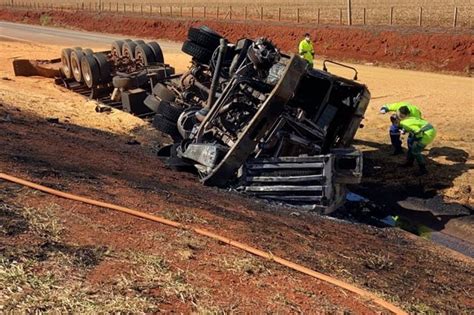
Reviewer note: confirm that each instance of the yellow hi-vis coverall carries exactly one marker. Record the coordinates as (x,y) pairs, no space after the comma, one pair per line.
(306,51)
(394,107)
(423,134)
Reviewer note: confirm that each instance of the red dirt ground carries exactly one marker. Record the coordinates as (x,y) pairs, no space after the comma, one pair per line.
(408,270)
(422,49)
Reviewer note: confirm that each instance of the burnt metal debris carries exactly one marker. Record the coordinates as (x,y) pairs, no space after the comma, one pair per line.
(244,116)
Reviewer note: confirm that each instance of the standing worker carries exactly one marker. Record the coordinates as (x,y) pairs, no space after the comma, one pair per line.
(422,133)
(306,49)
(401,108)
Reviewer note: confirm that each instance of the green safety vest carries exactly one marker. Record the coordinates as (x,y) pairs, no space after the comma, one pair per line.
(414,111)
(419,128)
(306,50)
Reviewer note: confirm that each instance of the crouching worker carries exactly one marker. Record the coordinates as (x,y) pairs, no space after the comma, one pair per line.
(400,109)
(422,134)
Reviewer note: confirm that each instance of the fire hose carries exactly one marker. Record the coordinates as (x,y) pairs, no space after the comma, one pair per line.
(294,266)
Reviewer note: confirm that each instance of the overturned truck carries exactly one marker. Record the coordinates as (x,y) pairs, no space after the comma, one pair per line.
(244,116)
(265,123)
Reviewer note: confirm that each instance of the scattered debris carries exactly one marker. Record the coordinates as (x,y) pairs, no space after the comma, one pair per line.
(102,108)
(6,118)
(133,142)
(53,120)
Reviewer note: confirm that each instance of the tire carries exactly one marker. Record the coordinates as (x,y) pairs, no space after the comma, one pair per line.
(169,110)
(104,68)
(139,42)
(210,31)
(116,49)
(66,63)
(204,38)
(166,126)
(90,71)
(88,51)
(128,50)
(76,58)
(152,103)
(155,47)
(127,40)
(144,55)
(200,54)
(161,91)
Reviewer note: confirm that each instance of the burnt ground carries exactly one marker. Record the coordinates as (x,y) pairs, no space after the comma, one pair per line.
(60,255)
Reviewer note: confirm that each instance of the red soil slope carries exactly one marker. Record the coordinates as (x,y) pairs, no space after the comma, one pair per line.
(433,50)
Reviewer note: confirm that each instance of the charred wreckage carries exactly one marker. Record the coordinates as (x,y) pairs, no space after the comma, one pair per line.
(245,115)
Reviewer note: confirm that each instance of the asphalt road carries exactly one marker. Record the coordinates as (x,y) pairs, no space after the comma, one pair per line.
(58,36)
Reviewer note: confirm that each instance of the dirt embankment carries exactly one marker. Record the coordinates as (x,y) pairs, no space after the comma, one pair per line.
(432,50)
(410,271)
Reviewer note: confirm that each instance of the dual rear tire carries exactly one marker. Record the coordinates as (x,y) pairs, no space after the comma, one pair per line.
(146,53)
(95,70)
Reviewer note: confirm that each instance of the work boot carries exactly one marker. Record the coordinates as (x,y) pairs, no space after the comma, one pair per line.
(422,171)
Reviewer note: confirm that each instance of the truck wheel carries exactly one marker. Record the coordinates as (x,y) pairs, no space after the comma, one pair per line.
(209,30)
(76,58)
(163,93)
(139,42)
(66,63)
(104,67)
(90,71)
(117,47)
(200,54)
(128,50)
(87,51)
(169,110)
(205,38)
(155,47)
(144,54)
(166,126)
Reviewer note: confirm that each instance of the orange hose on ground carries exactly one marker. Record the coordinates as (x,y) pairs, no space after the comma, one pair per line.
(363,293)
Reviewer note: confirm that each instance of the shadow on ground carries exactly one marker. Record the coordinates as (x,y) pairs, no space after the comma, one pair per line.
(397,191)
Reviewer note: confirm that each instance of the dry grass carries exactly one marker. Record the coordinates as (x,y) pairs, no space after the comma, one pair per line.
(50,277)
(377,261)
(154,272)
(247,266)
(287,3)
(44,221)
(25,290)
